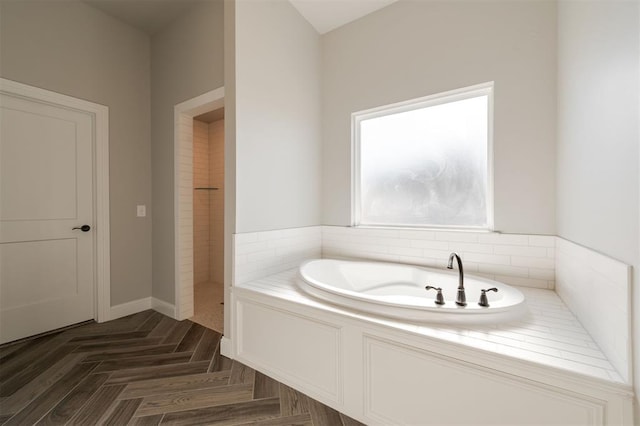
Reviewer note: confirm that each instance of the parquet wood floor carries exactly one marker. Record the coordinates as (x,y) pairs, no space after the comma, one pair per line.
(144,369)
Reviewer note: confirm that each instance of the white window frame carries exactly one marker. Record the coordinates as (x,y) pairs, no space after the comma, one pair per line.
(484,89)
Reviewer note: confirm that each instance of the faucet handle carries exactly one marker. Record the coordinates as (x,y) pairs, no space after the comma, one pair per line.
(439,297)
(484,302)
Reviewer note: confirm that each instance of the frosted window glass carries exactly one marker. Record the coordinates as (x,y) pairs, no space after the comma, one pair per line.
(427,166)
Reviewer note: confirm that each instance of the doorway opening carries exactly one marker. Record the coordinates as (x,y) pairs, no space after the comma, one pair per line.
(198,209)
(208,219)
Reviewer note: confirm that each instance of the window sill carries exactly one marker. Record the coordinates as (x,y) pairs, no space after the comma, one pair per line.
(428,228)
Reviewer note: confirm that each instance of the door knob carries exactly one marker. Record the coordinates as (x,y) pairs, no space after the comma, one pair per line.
(83,228)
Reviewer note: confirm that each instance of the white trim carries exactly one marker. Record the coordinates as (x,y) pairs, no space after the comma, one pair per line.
(163,307)
(490,171)
(430,100)
(483,89)
(355,171)
(129,308)
(140,305)
(206,102)
(102,259)
(183,279)
(226,347)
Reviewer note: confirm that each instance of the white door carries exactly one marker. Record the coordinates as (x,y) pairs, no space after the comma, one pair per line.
(46,186)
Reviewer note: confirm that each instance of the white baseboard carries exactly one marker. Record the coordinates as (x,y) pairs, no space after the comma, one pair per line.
(226,348)
(129,308)
(140,305)
(163,307)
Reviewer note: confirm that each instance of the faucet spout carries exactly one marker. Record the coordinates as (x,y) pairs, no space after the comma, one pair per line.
(461,297)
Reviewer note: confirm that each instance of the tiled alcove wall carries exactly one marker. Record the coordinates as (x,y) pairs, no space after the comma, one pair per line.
(208,205)
(216,200)
(201,211)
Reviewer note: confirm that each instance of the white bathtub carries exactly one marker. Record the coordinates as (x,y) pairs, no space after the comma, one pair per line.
(398,291)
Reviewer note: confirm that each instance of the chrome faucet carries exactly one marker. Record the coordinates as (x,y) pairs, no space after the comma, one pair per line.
(461,297)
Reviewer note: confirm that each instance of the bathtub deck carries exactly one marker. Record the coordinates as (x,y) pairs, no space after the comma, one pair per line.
(549,335)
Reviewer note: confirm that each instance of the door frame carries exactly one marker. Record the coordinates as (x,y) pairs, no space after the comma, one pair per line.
(183,195)
(101,242)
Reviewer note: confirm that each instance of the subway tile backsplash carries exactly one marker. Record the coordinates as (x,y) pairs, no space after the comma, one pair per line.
(518,259)
(524,260)
(259,254)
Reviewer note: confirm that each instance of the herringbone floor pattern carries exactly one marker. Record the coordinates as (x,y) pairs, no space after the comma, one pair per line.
(145,369)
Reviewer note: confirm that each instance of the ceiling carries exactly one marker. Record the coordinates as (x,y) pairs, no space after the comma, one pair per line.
(148,15)
(152,15)
(211,116)
(327,15)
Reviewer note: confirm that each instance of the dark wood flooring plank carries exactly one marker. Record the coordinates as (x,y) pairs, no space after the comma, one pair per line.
(261,409)
(146,373)
(144,361)
(146,420)
(177,332)
(348,421)
(219,362)
(265,387)
(33,370)
(97,406)
(136,319)
(123,412)
(190,341)
(69,406)
(115,354)
(48,399)
(207,346)
(152,322)
(163,328)
(121,344)
(323,415)
(292,402)
(8,350)
(109,337)
(120,325)
(201,398)
(176,384)
(132,321)
(32,351)
(97,328)
(299,420)
(19,399)
(241,374)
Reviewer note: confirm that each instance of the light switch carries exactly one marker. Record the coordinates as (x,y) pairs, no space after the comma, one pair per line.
(142,211)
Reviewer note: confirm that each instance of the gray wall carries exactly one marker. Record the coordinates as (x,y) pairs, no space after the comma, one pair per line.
(186,61)
(599,135)
(74,49)
(417,48)
(277,117)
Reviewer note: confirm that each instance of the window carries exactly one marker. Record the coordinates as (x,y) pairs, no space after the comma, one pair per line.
(426,162)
